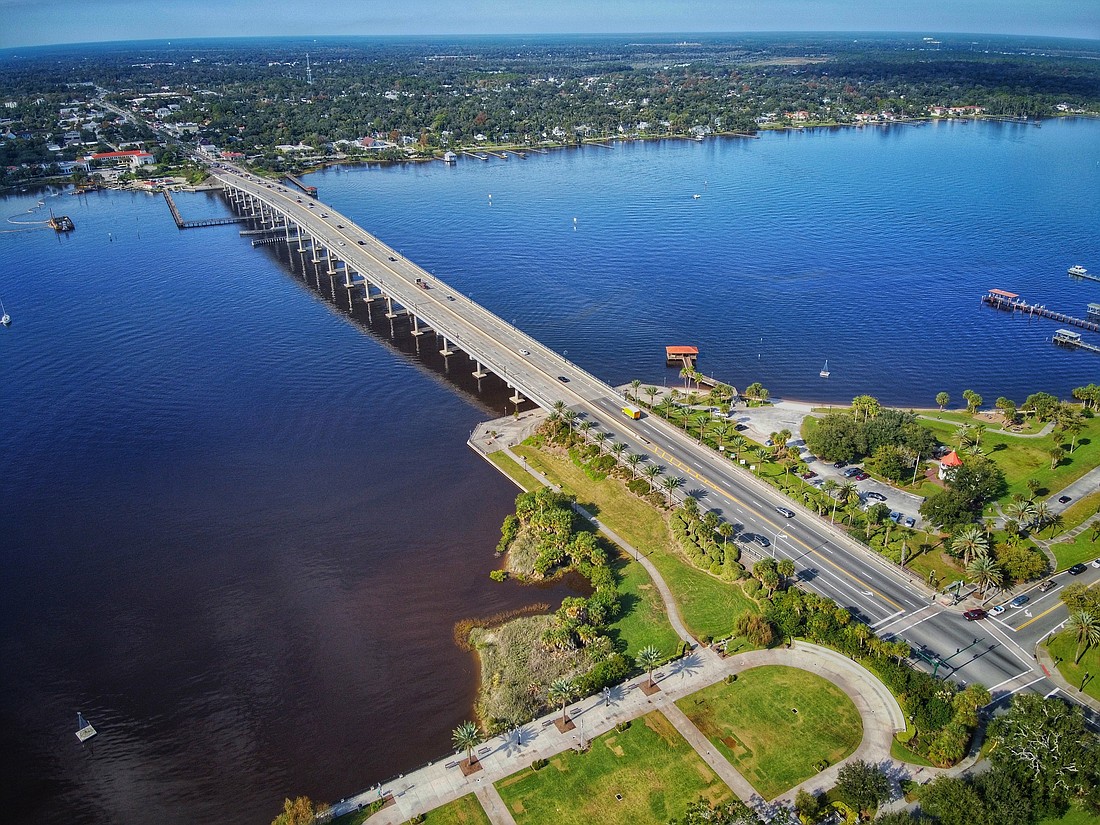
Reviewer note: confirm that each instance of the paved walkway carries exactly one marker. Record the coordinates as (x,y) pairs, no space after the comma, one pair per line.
(501,756)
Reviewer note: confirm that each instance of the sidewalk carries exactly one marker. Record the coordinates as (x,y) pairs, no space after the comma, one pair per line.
(503,755)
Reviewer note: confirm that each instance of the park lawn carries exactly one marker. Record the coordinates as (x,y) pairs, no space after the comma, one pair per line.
(1081,549)
(708,606)
(643,621)
(654,769)
(1080,510)
(465,810)
(938,562)
(1076,815)
(1029,426)
(751,721)
(1064,647)
(505,462)
(1025,458)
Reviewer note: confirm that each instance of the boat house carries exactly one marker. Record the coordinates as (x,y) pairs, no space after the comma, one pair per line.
(681,355)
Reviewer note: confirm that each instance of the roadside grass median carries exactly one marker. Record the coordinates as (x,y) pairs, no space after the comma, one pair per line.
(1063,648)
(777,725)
(647,773)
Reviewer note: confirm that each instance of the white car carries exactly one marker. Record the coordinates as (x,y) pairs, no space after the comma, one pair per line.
(524,352)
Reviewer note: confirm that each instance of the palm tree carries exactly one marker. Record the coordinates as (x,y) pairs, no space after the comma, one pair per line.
(785,569)
(943,399)
(1055,522)
(632,461)
(569,416)
(648,657)
(685,373)
(600,439)
(559,407)
(651,472)
(984,572)
(1056,454)
(561,692)
(1074,428)
(725,530)
(672,483)
(466,737)
(1020,510)
(634,387)
(617,449)
(586,427)
(1087,628)
(651,392)
(1040,515)
(962,434)
(970,542)
(738,443)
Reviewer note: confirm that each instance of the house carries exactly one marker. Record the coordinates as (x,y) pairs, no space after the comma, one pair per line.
(134,158)
(948,464)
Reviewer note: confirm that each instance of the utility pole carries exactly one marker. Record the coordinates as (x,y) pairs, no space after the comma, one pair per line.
(309,71)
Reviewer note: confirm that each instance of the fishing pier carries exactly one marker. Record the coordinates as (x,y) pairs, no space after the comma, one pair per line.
(1011,302)
(182,224)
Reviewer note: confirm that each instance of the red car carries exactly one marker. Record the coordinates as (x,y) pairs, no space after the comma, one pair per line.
(809,474)
(974,615)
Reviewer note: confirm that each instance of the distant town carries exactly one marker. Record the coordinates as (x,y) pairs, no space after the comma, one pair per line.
(294,107)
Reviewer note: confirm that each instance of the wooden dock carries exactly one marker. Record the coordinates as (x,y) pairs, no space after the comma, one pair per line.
(309,190)
(182,224)
(1069,338)
(1011,302)
(1086,275)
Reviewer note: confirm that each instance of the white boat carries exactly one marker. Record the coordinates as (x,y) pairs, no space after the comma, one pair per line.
(5,319)
(1077,269)
(695,197)
(825,370)
(84,731)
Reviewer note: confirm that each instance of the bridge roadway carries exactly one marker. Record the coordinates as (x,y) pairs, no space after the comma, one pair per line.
(828,561)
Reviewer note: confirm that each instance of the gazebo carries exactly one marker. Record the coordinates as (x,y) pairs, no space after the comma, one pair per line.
(948,464)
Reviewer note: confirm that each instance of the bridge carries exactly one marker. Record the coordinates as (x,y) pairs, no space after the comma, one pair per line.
(829,562)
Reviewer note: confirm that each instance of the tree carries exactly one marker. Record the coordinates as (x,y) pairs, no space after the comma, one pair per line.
(702,812)
(651,472)
(973,401)
(1056,454)
(651,392)
(298,811)
(947,509)
(632,461)
(1020,562)
(969,542)
(648,658)
(953,802)
(1041,404)
(466,737)
(985,573)
(738,443)
(785,569)
(866,406)
(634,385)
(561,691)
(943,399)
(863,786)
(671,484)
(1086,627)
(725,530)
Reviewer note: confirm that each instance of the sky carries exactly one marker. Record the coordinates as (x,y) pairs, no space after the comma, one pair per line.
(42,22)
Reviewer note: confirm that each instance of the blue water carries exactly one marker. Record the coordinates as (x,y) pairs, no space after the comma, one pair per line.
(869,247)
(238,527)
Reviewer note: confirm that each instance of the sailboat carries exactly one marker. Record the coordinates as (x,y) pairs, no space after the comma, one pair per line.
(84,731)
(825,370)
(5,319)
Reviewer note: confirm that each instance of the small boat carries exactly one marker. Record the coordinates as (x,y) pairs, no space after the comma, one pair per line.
(825,370)
(84,731)
(695,197)
(1078,270)
(5,319)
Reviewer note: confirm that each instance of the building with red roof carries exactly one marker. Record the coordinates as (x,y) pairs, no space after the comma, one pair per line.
(948,464)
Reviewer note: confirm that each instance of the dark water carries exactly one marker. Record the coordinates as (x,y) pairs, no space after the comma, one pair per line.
(237,528)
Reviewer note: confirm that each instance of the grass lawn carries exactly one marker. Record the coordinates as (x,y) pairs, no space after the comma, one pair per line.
(753,723)
(1025,458)
(514,471)
(708,606)
(465,810)
(936,561)
(650,765)
(955,418)
(1064,647)
(643,621)
(1081,549)
(903,754)
(1076,815)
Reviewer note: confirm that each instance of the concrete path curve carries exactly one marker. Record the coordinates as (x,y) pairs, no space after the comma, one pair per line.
(499,757)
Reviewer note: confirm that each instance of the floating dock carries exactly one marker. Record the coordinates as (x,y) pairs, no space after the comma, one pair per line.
(62,223)
(84,730)
(1011,302)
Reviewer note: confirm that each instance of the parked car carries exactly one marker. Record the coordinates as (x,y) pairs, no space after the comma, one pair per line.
(840,464)
(895,516)
(875,496)
(852,471)
(1047,586)
(861,476)
(1064,499)
(808,474)
(1019,601)
(910,521)
(1077,569)
(783,511)
(975,614)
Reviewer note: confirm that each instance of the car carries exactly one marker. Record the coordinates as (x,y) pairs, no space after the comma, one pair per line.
(998,610)
(450,297)
(1064,499)
(740,427)
(1076,570)
(817,482)
(362,243)
(808,474)
(852,472)
(342,243)
(762,541)
(324,214)
(975,614)
(392,258)
(310,206)
(875,496)
(339,226)
(524,352)
(783,511)
(563,379)
(1047,586)
(769,443)
(895,516)
(910,521)
(1019,601)
(860,476)
(840,465)
(1096,562)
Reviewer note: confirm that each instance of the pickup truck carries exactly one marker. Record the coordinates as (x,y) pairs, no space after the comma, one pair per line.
(420,282)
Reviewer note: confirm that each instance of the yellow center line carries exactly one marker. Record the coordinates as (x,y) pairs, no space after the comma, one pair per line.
(779,527)
(1036,618)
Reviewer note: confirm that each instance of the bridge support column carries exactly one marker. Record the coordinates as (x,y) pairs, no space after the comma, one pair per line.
(331,264)
(349,282)
(416,330)
(316,250)
(516,398)
(389,308)
(480,371)
(446,347)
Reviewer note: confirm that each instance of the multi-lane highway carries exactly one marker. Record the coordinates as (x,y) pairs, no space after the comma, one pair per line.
(996,652)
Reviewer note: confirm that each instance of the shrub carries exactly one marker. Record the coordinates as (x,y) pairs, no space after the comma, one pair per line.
(498,575)
(539,764)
